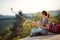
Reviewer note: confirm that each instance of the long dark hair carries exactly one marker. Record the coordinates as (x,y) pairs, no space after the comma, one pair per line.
(45,13)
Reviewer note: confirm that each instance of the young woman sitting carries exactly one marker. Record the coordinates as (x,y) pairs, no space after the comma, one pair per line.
(42,25)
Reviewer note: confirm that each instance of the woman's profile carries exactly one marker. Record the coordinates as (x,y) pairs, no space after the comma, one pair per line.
(42,25)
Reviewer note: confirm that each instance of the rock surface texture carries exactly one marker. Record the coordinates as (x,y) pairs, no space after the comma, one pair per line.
(46,37)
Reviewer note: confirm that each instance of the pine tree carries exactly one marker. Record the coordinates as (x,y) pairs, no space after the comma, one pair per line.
(17,24)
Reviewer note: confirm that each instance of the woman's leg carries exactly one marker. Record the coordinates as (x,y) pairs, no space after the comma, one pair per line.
(38,30)
(43,31)
(34,30)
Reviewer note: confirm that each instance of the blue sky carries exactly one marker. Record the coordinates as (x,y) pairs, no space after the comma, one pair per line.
(28,6)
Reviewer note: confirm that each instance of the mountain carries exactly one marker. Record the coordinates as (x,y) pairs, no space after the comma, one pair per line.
(6,21)
(55,12)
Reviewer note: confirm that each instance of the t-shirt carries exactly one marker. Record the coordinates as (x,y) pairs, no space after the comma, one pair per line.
(44,22)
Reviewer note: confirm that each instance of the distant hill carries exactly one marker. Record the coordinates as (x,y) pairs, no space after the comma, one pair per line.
(5,21)
(53,13)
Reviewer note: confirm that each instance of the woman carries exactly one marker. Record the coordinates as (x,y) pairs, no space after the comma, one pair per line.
(42,25)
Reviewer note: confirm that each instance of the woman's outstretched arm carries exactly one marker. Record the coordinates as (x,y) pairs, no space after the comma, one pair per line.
(33,22)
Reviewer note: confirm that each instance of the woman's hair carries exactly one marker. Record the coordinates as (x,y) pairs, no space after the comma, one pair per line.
(45,13)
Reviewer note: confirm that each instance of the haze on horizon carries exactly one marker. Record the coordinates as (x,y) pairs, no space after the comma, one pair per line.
(28,6)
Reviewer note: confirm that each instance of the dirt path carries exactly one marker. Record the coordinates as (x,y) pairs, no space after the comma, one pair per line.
(46,37)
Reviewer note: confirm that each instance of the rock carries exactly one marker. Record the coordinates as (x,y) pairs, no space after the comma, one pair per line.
(46,37)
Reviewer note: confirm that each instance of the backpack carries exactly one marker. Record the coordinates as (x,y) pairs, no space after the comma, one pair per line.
(54,28)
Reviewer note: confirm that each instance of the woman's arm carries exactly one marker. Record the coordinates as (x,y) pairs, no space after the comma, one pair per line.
(47,27)
(33,22)
(38,24)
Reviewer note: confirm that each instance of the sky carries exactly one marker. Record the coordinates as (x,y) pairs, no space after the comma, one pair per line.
(28,6)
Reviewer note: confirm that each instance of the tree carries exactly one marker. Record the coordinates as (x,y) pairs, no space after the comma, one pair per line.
(58,17)
(17,24)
